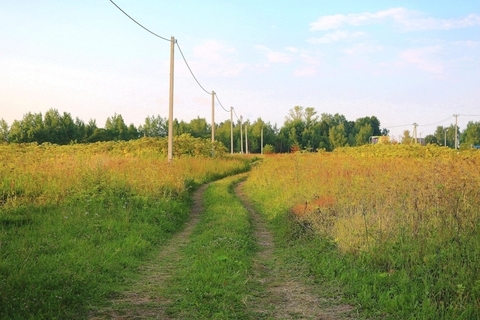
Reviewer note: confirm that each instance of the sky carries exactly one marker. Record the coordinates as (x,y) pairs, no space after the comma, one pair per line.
(404,62)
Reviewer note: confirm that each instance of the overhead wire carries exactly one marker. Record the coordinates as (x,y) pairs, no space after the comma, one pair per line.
(178,46)
(163,38)
(431,124)
(221,105)
(189,69)
(401,125)
(235,113)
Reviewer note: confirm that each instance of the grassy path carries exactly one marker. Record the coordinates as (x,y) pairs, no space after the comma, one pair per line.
(286,295)
(143,300)
(223,265)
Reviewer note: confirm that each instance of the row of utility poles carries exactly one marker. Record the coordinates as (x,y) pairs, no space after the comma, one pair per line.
(173,42)
(445,133)
(170,114)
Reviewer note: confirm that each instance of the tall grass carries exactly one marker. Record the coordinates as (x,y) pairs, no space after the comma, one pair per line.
(404,218)
(76,221)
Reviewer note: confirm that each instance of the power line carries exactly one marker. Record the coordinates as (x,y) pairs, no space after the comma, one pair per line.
(191,72)
(216,96)
(181,53)
(194,77)
(235,113)
(431,124)
(402,125)
(139,23)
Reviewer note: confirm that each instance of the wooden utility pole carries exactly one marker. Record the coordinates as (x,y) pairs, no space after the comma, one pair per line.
(231,130)
(170,105)
(213,116)
(456,130)
(261,141)
(241,136)
(246,139)
(415,132)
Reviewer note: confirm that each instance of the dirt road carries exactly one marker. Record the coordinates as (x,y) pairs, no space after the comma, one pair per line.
(284,295)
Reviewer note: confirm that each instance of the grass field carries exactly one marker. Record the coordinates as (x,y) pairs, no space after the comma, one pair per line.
(397,226)
(77,221)
(391,230)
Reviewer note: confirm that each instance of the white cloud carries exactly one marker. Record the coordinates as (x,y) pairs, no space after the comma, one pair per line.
(424,59)
(216,59)
(361,48)
(211,50)
(309,66)
(274,56)
(468,43)
(336,36)
(407,19)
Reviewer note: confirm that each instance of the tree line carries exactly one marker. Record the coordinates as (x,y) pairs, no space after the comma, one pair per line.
(303,129)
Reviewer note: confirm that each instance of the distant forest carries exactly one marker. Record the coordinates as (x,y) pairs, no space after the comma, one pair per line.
(303,129)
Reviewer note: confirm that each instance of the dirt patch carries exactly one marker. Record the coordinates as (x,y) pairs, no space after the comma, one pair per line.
(145,302)
(285,296)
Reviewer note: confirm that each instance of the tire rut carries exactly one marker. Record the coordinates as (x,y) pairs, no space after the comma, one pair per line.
(145,302)
(285,296)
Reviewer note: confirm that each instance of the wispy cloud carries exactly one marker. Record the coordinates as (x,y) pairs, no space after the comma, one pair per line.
(274,56)
(216,59)
(361,48)
(309,67)
(336,36)
(424,59)
(408,20)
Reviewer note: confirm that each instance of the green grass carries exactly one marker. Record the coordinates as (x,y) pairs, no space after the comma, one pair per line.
(212,279)
(408,278)
(57,260)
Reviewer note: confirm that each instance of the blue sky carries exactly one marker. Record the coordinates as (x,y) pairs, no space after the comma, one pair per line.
(402,61)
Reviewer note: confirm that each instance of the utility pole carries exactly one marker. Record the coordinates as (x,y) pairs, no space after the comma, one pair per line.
(261,141)
(231,130)
(415,132)
(213,116)
(445,142)
(170,104)
(456,130)
(241,136)
(246,139)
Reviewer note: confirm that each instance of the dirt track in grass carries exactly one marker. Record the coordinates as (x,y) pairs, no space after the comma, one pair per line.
(145,302)
(284,295)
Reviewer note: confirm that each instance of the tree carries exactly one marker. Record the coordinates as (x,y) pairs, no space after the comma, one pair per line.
(333,120)
(29,129)
(407,138)
(448,133)
(4,131)
(116,128)
(364,128)
(132,132)
(337,136)
(363,135)
(199,128)
(431,139)
(295,114)
(303,130)
(154,127)
(471,135)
